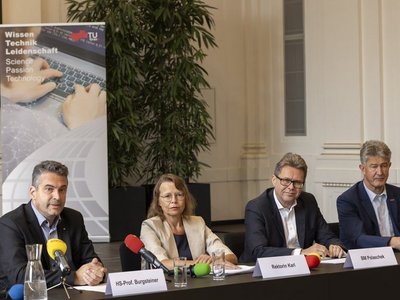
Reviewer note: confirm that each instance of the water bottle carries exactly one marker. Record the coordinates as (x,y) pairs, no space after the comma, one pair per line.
(35,283)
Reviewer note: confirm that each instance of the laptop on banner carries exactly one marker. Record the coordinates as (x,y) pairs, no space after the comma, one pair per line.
(80,56)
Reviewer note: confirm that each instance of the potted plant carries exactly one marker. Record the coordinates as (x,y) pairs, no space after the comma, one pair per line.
(124,109)
(157,119)
(178,126)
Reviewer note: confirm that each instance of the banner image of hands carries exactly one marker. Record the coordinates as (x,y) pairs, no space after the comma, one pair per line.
(53,107)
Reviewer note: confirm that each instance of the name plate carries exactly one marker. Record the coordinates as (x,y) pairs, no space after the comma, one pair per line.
(281,266)
(370,258)
(135,282)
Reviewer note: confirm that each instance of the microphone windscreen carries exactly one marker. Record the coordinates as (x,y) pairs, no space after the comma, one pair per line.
(133,243)
(16,292)
(313,260)
(201,269)
(54,245)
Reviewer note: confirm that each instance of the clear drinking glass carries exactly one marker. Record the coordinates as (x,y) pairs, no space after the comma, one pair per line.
(180,272)
(218,265)
(35,283)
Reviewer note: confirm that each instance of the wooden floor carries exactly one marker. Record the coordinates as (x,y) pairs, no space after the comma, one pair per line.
(109,252)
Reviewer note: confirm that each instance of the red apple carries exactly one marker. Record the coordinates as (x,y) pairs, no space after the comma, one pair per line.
(313,260)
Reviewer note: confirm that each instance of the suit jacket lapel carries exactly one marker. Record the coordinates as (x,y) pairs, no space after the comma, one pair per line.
(271,205)
(193,233)
(37,234)
(366,203)
(300,221)
(393,208)
(62,233)
(171,248)
(34,226)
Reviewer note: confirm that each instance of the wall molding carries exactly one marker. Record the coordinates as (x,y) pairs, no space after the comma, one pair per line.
(337,184)
(341,149)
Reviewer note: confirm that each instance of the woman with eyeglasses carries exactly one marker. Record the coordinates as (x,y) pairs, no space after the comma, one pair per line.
(172,230)
(285,220)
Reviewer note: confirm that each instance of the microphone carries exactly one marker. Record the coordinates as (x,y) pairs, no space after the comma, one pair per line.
(57,249)
(313,260)
(133,243)
(16,292)
(199,270)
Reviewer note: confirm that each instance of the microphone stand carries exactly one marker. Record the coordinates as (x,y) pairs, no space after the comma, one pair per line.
(64,285)
(152,265)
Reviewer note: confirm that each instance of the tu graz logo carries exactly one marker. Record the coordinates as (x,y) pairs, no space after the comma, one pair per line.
(83,34)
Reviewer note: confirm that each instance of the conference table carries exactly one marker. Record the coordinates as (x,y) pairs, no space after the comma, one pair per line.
(327,281)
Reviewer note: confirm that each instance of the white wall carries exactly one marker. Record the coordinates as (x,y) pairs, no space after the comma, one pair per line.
(352,86)
(33,11)
(350,52)
(352,90)
(240,75)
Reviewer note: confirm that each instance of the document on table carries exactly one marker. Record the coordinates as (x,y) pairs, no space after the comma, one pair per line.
(333,261)
(93,288)
(242,269)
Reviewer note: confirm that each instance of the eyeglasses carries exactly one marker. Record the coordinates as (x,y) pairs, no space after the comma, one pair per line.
(287,182)
(168,197)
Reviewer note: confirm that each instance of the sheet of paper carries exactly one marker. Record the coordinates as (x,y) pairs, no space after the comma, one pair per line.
(333,261)
(242,269)
(96,288)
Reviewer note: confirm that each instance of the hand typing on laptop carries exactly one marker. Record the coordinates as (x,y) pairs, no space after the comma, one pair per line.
(84,105)
(31,84)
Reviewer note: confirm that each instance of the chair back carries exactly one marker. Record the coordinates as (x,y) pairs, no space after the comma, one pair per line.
(234,241)
(335,228)
(129,260)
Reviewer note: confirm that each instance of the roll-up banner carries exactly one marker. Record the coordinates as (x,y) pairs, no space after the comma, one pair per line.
(53,107)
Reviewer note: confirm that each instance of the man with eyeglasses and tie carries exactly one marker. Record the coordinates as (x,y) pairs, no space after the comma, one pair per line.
(285,220)
(369,211)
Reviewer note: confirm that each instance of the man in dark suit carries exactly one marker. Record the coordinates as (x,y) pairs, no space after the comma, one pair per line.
(284,220)
(369,211)
(42,218)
